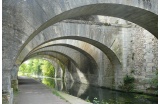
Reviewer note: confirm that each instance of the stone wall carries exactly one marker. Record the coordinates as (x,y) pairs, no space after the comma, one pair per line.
(134,47)
(139,55)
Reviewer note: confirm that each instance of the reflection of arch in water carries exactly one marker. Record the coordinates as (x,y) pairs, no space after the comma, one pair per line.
(134,14)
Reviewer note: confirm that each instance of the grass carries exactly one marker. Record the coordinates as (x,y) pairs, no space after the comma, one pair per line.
(57,93)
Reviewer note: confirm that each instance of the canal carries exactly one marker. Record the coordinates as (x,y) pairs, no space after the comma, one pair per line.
(98,95)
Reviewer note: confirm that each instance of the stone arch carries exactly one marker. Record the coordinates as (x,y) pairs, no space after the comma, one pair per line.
(107,51)
(98,36)
(53,61)
(74,63)
(117,67)
(92,59)
(68,75)
(130,13)
(108,73)
(49,57)
(78,55)
(18,27)
(58,55)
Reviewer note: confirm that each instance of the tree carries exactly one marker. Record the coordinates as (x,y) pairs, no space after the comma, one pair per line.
(37,67)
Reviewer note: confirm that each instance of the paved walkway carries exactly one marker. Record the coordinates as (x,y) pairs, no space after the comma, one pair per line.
(33,92)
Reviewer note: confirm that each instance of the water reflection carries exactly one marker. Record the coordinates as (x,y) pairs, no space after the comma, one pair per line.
(49,82)
(84,91)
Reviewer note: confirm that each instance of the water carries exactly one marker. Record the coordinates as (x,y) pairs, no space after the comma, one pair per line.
(92,93)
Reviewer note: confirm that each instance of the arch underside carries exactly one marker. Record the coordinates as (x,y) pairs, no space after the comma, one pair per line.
(82,45)
(94,52)
(83,60)
(130,13)
(95,38)
(121,9)
(137,18)
(41,41)
(52,59)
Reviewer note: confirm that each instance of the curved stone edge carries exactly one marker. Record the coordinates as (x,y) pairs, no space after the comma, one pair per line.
(71,99)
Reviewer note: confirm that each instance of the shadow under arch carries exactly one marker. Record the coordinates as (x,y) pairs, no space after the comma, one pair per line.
(108,52)
(134,14)
(94,63)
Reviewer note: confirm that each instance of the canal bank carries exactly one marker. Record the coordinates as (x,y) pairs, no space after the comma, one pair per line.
(94,94)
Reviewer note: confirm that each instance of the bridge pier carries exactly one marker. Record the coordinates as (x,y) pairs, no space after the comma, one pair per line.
(58,71)
(14,78)
(7,97)
(10,84)
(7,91)
(133,46)
(14,85)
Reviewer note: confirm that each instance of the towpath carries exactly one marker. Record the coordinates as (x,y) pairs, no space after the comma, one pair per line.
(31,91)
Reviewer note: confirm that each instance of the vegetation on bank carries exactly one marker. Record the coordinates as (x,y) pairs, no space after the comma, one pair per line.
(154,81)
(128,83)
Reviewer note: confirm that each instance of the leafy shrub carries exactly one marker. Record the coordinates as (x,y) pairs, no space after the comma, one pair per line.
(128,83)
(154,81)
(128,79)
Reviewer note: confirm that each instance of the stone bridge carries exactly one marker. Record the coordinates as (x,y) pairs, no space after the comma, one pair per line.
(98,41)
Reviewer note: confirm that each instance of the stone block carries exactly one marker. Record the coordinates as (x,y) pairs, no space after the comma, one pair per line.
(6,82)
(149,75)
(7,97)
(148,69)
(150,64)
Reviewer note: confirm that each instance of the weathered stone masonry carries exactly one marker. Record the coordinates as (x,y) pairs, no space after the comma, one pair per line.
(94,49)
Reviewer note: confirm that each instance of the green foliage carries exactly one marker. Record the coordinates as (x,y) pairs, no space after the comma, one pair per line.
(128,83)
(47,69)
(49,82)
(128,79)
(59,94)
(95,101)
(22,68)
(154,81)
(37,67)
(36,64)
